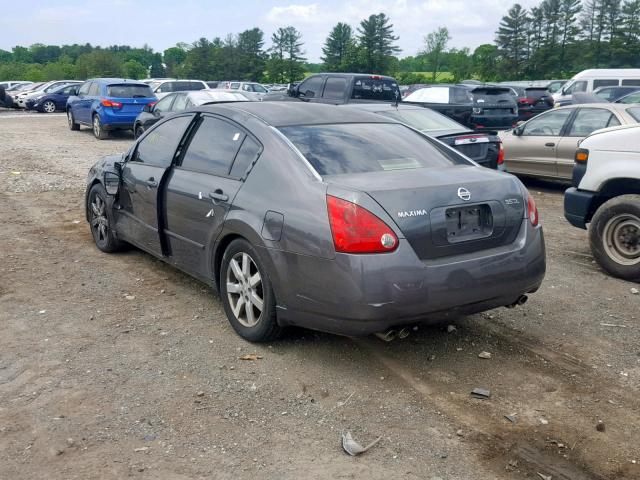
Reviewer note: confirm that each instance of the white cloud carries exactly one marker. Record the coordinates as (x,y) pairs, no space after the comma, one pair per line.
(293,14)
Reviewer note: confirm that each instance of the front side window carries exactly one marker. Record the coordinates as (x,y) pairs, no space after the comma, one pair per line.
(259,88)
(365,147)
(158,147)
(547,124)
(166,87)
(335,87)
(94,90)
(312,87)
(588,120)
(180,103)
(234,85)
(606,93)
(164,105)
(213,147)
(576,87)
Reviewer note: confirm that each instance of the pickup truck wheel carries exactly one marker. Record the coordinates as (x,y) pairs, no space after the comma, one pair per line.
(246,293)
(101,220)
(98,130)
(614,236)
(72,123)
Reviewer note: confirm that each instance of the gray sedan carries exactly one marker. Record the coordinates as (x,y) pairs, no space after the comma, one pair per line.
(328,218)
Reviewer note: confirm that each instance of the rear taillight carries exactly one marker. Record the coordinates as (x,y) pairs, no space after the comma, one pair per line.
(356,230)
(526,101)
(500,154)
(532,211)
(111,103)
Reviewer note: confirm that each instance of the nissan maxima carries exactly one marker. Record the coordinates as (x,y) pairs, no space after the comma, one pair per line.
(328,218)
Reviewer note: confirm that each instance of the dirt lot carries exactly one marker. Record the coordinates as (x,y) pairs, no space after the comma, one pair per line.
(116,366)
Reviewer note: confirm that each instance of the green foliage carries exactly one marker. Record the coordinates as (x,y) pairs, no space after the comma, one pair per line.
(376,45)
(286,63)
(339,48)
(435,44)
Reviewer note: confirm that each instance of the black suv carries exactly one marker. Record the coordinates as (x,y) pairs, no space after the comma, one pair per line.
(341,88)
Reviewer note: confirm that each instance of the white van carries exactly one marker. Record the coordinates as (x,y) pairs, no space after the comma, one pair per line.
(589,80)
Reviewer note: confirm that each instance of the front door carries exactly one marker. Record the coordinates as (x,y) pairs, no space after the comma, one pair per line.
(586,121)
(201,189)
(143,177)
(533,152)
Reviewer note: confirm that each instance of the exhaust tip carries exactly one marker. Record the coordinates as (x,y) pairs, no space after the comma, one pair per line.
(404,333)
(387,336)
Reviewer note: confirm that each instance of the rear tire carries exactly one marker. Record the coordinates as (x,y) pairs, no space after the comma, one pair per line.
(72,123)
(100,216)
(98,130)
(614,237)
(246,293)
(138,131)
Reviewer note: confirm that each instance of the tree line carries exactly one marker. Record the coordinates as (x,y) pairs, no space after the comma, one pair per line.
(555,39)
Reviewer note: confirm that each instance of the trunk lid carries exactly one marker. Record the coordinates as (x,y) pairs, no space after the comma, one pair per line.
(429,208)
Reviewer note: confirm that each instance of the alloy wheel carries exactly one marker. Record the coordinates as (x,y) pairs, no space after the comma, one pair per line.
(49,107)
(96,126)
(621,237)
(244,289)
(99,221)
(70,118)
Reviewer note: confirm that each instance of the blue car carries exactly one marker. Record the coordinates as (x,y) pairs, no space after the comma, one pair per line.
(55,100)
(107,104)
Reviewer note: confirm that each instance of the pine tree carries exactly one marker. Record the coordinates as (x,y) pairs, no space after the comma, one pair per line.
(512,40)
(252,57)
(286,62)
(376,40)
(337,47)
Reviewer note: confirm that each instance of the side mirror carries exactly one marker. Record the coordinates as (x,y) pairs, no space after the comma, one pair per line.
(293,90)
(518,130)
(73,91)
(111,182)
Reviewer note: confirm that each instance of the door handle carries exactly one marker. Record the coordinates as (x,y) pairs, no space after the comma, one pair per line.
(218,195)
(549,144)
(151,183)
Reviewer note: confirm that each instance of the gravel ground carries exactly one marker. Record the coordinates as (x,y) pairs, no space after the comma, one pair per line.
(115,366)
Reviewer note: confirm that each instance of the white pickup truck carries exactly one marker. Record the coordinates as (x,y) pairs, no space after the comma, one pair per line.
(606,195)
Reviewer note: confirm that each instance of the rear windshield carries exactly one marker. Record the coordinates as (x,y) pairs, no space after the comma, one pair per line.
(422,119)
(129,91)
(367,88)
(537,93)
(365,147)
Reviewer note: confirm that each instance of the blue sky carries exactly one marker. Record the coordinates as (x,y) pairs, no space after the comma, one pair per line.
(163,23)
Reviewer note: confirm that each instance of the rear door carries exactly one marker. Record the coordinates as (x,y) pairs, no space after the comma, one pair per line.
(201,189)
(143,177)
(82,106)
(586,121)
(335,89)
(534,151)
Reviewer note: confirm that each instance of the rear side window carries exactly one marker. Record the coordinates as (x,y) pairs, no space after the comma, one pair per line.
(335,87)
(94,89)
(234,86)
(604,83)
(548,124)
(368,88)
(180,103)
(430,95)
(588,120)
(248,152)
(635,113)
(159,145)
(129,91)
(365,147)
(634,82)
(213,147)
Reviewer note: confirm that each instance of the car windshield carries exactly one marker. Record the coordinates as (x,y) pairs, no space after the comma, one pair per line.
(365,147)
(129,91)
(259,88)
(422,119)
(154,85)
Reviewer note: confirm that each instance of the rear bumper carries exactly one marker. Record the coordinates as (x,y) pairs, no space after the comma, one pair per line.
(362,294)
(490,122)
(578,205)
(117,121)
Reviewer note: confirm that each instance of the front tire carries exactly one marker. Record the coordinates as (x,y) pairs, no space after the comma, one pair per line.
(614,236)
(49,107)
(98,130)
(101,220)
(246,293)
(72,123)
(138,131)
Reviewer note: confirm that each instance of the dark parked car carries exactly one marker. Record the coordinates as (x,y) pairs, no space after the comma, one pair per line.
(107,104)
(52,101)
(494,108)
(340,88)
(531,101)
(483,148)
(178,101)
(329,218)
(454,101)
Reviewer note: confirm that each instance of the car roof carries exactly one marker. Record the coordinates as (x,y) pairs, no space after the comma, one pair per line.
(117,80)
(609,106)
(383,107)
(283,114)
